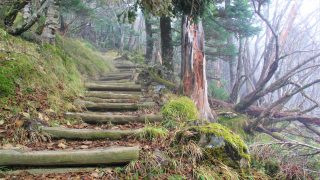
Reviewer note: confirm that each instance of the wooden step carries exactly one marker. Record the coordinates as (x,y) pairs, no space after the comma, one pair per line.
(128,66)
(116,106)
(119,77)
(112,87)
(106,156)
(88,134)
(100,100)
(102,118)
(110,95)
(53,170)
(117,74)
(113,81)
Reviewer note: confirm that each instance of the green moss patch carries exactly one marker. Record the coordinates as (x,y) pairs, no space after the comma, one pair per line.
(179,110)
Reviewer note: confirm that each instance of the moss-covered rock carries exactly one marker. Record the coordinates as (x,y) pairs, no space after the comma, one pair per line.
(218,142)
(157,75)
(179,111)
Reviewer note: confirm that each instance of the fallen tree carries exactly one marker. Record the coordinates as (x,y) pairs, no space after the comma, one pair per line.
(273,117)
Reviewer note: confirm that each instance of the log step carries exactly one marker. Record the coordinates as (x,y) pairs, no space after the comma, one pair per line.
(100,100)
(128,66)
(103,118)
(110,95)
(53,170)
(117,74)
(116,106)
(111,87)
(88,134)
(107,156)
(113,81)
(120,77)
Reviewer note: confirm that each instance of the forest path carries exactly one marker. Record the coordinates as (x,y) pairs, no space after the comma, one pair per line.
(116,112)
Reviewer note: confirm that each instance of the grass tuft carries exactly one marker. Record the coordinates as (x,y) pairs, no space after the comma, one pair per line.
(151,133)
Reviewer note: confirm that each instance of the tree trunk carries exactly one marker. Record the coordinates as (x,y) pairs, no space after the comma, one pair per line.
(149,40)
(166,42)
(234,95)
(194,66)
(52,22)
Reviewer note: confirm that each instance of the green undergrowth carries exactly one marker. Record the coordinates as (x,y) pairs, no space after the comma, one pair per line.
(179,111)
(89,62)
(134,56)
(44,78)
(217,91)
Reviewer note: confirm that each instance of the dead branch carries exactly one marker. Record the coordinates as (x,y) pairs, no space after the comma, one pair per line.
(291,145)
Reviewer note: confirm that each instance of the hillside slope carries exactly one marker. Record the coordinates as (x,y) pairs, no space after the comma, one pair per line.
(41,81)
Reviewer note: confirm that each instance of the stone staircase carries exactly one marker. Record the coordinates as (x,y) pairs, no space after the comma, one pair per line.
(115,99)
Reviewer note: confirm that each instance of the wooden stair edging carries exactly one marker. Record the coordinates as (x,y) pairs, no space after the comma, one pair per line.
(89,134)
(99,118)
(107,87)
(109,95)
(116,106)
(106,156)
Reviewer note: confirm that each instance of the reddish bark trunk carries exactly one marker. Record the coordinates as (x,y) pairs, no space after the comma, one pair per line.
(193,67)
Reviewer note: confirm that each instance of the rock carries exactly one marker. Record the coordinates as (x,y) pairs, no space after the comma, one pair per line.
(161,158)
(157,75)
(218,142)
(228,114)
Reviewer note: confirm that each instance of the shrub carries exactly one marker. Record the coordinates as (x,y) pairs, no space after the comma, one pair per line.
(217,92)
(154,133)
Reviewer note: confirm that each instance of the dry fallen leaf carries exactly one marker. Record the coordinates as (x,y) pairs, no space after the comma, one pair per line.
(84,147)
(62,145)
(19,123)
(7,146)
(87,142)
(95,174)
(43,117)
